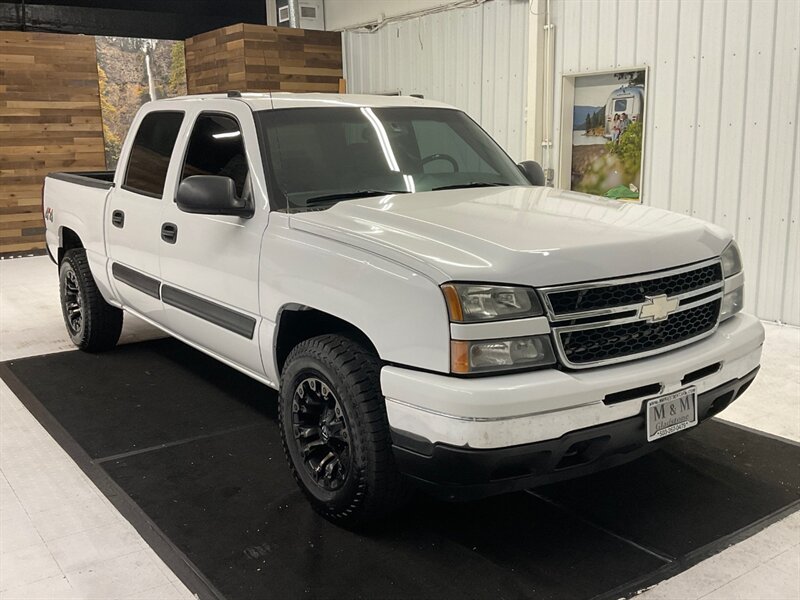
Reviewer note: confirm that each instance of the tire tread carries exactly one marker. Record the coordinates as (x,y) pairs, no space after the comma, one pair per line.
(102,323)
(382,488)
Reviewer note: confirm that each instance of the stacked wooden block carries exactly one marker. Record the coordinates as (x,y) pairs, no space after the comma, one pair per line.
(49,121)
(50,117)
(258,58)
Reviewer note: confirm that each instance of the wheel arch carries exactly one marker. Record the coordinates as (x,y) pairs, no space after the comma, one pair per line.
(299,322)
(67,240)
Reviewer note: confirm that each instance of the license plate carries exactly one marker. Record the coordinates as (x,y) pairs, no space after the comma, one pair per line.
(671,413)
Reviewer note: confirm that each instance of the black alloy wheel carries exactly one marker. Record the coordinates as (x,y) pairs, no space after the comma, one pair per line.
(73,305)
(321,433)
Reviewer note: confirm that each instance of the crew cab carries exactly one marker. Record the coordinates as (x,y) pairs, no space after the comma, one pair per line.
(429,311)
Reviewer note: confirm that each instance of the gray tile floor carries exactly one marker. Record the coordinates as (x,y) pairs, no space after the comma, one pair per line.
(61,538)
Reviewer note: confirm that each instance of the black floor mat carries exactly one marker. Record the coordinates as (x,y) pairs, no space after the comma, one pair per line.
(189,450)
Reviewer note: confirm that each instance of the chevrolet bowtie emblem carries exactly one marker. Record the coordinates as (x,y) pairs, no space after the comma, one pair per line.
(657,308)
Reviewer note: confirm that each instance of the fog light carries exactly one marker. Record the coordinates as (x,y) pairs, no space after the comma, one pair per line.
(500,355)
(732,303)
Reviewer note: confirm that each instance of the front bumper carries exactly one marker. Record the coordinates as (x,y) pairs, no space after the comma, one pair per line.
(457,473)
(512,410)
(471,437)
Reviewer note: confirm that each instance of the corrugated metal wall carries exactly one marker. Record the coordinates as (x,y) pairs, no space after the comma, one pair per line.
(722,134)
(722,137)
(473,58)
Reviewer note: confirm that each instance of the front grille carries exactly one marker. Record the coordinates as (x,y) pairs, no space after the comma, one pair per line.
(622,294)
(611,321)
(616,341)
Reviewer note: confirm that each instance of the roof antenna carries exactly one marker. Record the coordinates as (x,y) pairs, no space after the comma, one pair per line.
(269,90)
(234,94)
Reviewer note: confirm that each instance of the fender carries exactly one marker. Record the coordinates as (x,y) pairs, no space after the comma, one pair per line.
(368,292)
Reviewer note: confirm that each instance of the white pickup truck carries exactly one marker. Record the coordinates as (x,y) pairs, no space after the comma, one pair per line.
(428,310)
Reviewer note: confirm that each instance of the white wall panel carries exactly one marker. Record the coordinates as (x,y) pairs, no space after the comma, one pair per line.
(340,14)
(687,101)
(709,115)
(790,301)
(473,58)
(722,136)
(780,212)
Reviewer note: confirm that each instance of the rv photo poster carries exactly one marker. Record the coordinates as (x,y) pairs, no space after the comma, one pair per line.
(607,130)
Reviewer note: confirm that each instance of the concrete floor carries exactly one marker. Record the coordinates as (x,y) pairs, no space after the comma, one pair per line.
(61,538)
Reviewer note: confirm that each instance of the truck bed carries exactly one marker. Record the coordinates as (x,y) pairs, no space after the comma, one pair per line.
(77,202)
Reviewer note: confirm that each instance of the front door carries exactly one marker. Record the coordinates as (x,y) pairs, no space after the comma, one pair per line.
(210,266)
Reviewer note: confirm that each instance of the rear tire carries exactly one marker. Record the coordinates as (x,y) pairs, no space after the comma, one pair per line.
(335,432)
(92,323)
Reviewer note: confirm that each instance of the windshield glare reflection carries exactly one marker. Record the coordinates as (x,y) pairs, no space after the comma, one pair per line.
(323,155)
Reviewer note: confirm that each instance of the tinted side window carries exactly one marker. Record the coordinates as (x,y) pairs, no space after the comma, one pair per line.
(152,147)
(216,148)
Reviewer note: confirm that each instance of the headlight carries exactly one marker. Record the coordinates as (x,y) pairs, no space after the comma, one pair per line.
(733,300)
(468,303)
(731,260)
(500,355)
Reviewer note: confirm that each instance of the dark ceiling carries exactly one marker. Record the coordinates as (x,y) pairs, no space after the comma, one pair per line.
(163,19)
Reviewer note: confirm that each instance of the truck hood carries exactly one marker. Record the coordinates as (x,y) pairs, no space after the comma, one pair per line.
(521,235)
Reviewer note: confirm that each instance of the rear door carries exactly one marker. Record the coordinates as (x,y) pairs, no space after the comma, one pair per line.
(210,267)
(133,213)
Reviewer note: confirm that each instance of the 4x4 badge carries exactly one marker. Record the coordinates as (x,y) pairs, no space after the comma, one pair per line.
(657,308)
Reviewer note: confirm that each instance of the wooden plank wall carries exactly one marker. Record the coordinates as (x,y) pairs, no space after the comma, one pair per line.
(49,121)
(50,116)
(258,58)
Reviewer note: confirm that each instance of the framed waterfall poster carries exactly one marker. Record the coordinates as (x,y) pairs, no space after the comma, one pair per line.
(132,71)
(602,135)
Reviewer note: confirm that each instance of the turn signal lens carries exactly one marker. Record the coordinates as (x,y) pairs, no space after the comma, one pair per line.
(732,303)
(453,303)
(459,357)
(500,355)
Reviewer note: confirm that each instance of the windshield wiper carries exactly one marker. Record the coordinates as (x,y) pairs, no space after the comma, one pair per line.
(351,195)
(471,184)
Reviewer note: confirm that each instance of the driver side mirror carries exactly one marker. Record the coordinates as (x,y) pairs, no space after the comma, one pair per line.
(211,195)
(533,172)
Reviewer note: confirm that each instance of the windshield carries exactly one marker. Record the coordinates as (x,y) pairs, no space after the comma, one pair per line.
(317,156)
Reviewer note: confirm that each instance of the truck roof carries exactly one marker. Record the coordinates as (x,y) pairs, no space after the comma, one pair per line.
(267,101)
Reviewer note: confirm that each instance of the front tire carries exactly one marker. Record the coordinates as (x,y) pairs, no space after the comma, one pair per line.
(92,323)
(335,432)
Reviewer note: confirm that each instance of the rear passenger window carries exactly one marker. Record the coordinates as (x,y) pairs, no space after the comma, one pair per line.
(216,148)
(152,148)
